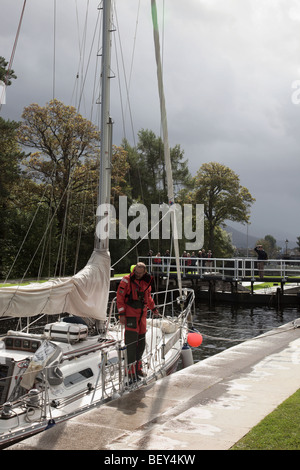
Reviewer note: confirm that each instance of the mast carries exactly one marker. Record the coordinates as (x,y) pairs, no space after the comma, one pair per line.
(103,212)
(166,141)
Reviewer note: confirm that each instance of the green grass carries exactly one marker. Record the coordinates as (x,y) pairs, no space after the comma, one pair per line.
(280,430)
(265,285)
(24,283)
(14,284)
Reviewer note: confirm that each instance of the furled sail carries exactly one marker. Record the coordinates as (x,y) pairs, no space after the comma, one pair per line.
(85,294)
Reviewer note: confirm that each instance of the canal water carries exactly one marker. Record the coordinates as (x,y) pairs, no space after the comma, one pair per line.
(223,326)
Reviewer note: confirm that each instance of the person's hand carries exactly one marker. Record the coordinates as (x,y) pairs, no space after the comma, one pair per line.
(155,313)
(122,319)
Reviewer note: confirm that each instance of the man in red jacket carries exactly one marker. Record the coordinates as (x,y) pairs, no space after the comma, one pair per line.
(133,300)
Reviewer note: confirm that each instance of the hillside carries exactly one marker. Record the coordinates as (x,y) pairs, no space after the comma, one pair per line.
(239,239)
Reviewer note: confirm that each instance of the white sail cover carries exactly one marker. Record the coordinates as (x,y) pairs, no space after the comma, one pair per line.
(84,294)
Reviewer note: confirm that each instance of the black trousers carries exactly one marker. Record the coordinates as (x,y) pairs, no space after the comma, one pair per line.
(135,345)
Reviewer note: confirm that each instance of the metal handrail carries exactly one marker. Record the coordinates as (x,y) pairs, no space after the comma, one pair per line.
(236,268)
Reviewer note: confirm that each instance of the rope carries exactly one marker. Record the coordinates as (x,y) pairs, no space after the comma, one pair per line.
(239,340)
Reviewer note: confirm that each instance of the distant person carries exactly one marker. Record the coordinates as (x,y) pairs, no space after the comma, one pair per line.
(150,255)
(209,262)
(261,259)
(194,262)
(183,262)
(188,262)
(201,262)
(157,262)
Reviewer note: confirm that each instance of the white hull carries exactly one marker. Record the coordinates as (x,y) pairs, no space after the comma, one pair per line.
(77,376)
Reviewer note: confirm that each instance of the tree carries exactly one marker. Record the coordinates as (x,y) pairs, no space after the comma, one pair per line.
(6,75)
(64,176)
(147,173)
(63,164)
(63,141)
(272,248)
(269,245)
(298,243)
(10,158)
(223,246)
(120,168)
(218,188)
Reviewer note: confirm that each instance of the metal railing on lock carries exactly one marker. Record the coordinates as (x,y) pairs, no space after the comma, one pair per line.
(226,268)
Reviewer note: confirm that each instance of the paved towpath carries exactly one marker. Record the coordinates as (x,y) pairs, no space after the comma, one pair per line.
(210,405)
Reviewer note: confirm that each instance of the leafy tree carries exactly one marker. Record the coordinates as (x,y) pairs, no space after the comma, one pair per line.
(147,173)
(120,169)
(272,247)
(64,175)
(10,158)
(218,188)
(223,245)
(147,177)
(63,140)
(61,180)
(63,165)
(269,245)
(6,75)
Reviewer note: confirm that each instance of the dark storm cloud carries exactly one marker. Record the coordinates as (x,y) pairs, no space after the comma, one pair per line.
(229,69)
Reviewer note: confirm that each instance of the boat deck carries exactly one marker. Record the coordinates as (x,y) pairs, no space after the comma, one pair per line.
(210,405)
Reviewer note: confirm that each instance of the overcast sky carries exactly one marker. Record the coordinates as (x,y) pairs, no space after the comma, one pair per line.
(230,74)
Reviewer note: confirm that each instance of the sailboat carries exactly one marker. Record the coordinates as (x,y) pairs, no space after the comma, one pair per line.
(64,370)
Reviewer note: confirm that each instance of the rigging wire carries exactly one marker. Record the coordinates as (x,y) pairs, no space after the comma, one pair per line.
(127,107)
(127,82)
(143,238)
(84,76)
(75,89)
(46,230)
(97,82)
(28,230)
(14,48)
(79,79)
(80,224)
(63,241)
(81,95)
(47,242)
(54,51)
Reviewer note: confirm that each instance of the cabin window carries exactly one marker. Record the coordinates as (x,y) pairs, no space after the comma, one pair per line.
(78,377)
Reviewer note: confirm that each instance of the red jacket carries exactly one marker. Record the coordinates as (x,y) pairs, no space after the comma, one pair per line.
(133,299)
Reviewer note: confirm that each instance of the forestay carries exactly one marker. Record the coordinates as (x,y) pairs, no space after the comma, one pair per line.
(84,294)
